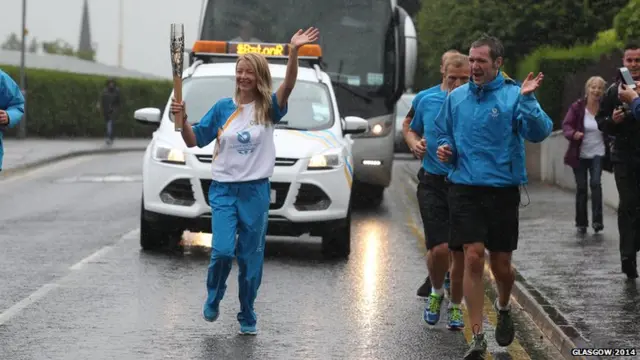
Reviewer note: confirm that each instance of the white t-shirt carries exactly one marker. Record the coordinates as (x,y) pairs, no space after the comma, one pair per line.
(244,150)
(592,142)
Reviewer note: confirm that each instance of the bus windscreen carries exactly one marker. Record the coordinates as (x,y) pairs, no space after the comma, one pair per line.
(352,33)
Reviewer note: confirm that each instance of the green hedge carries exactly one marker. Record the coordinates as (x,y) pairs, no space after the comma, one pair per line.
(556,63)
(61,104)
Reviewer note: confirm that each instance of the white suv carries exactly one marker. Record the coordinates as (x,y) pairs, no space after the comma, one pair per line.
(311,184)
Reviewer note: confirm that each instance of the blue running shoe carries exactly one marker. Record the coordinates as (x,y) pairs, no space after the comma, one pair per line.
(210,314)
(432,312)
(248,330)
(447,285)
(456,321)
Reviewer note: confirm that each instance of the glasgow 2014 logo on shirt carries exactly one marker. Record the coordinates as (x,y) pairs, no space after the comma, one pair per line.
(244,145)
(244,137)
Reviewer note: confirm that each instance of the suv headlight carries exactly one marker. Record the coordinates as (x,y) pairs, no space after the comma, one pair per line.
(324,161)
(168,155)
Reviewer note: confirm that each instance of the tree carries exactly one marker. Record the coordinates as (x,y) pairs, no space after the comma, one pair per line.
(627,22)
(12,42)
(59,47)
(521,25)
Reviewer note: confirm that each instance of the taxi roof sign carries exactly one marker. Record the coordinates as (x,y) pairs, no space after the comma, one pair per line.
(269,50)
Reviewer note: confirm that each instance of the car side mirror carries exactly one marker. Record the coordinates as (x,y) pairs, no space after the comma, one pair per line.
(355,125)
(148,116)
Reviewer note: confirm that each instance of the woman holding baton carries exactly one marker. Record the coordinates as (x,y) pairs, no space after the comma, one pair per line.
(243,161)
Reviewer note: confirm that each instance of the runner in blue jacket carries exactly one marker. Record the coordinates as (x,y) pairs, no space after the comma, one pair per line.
(481,130)
(11,107)
(420,148)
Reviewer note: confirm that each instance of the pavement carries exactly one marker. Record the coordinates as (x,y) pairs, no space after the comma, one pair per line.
(77,286)
(24,154)
(571,285)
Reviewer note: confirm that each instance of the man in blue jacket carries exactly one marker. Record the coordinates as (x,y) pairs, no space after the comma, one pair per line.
(481,131)
(433,199)
(418,149)
(11,107)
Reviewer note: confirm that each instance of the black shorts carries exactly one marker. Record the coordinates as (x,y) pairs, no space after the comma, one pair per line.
(434,208)
(485,214)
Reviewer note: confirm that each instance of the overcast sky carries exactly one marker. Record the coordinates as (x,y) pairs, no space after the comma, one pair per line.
(146,27)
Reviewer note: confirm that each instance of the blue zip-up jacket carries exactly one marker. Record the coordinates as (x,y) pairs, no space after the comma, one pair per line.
(485,128)
(11,101)
(423,125)
(420,95)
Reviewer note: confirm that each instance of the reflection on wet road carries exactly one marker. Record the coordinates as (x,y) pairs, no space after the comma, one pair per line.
(95,295)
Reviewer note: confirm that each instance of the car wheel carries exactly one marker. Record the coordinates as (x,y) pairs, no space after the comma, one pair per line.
(154,237)
(337,242)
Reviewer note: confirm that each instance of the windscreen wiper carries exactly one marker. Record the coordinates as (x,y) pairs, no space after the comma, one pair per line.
(341,85)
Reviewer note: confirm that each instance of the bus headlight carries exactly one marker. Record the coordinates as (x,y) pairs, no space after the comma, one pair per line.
(378,129)
(169,155)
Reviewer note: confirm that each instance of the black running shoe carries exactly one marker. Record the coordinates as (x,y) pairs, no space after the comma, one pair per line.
(630,268)
(425,289)
(597,227)
(504,329)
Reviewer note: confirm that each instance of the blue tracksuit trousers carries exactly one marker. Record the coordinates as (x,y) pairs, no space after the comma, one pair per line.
(241,208)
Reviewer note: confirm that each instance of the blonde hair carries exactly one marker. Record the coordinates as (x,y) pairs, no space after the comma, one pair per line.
(448,54)
(264,86)
(456,60)
(590,82)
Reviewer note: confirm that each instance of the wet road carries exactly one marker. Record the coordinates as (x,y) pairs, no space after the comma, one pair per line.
(76,285)
(579,274)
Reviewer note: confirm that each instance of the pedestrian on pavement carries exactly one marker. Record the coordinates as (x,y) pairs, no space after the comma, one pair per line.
(481,131)
(11,107)
(615,119)
(243,162)
(433,201)
(419,150)
(110,102)
(586,152)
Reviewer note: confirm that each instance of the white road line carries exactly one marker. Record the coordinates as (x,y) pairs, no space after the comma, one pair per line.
(80,264)
(47,288)
(37,295)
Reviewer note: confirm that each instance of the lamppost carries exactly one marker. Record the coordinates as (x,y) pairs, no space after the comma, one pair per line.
(22,126)
(120,33)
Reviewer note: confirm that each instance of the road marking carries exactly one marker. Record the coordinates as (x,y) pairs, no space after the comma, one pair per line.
(80,264)
(100,179)
(35,296)
(47,288)
(515,350)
